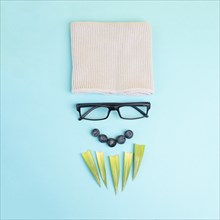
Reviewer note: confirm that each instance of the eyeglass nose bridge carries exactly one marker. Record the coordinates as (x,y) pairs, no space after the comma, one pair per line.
(113,108)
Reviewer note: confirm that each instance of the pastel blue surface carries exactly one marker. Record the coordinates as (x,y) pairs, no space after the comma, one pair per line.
(43,175)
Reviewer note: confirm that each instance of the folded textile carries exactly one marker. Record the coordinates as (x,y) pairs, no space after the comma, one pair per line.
(111,57)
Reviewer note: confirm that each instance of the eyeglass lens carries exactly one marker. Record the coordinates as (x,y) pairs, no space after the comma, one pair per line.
(130,112)
(95,113)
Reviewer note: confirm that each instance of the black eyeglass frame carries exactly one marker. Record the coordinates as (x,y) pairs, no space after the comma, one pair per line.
(113,106)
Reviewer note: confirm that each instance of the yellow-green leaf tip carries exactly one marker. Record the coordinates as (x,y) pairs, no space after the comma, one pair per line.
(126,168)
(115,170)
(90,162)
(101,164)
(138,156)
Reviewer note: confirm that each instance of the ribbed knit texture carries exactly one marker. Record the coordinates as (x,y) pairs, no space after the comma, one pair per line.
(111,57)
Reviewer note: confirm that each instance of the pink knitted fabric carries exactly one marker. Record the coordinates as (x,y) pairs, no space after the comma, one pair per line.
(111,57)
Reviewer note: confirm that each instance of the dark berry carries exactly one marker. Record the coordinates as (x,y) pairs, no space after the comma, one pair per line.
(103,138)
(121,139)
(128,134)
(111,142)
(95,132)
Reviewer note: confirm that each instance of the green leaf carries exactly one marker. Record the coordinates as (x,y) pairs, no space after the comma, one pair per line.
(101,165)
(90,162)
(127,167)
(138,155)
(115,169)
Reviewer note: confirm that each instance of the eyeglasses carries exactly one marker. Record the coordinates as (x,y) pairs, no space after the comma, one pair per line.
(101,111)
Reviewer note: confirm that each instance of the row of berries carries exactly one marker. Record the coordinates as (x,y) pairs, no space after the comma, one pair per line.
(112,141)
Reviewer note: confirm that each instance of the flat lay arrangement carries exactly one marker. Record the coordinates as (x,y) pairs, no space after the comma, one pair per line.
(84,82)
(112,58)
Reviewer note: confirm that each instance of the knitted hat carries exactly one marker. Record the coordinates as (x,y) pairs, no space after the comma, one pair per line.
(111,57)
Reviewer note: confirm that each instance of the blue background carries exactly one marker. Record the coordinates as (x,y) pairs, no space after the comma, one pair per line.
(43,175)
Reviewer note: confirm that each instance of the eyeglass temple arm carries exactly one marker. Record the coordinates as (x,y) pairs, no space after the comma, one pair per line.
(139,110)
(87,112)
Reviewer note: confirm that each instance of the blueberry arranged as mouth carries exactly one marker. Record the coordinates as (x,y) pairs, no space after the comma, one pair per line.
(129,134)
(103,138)
(95,132)
(111,142)
(121,139)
